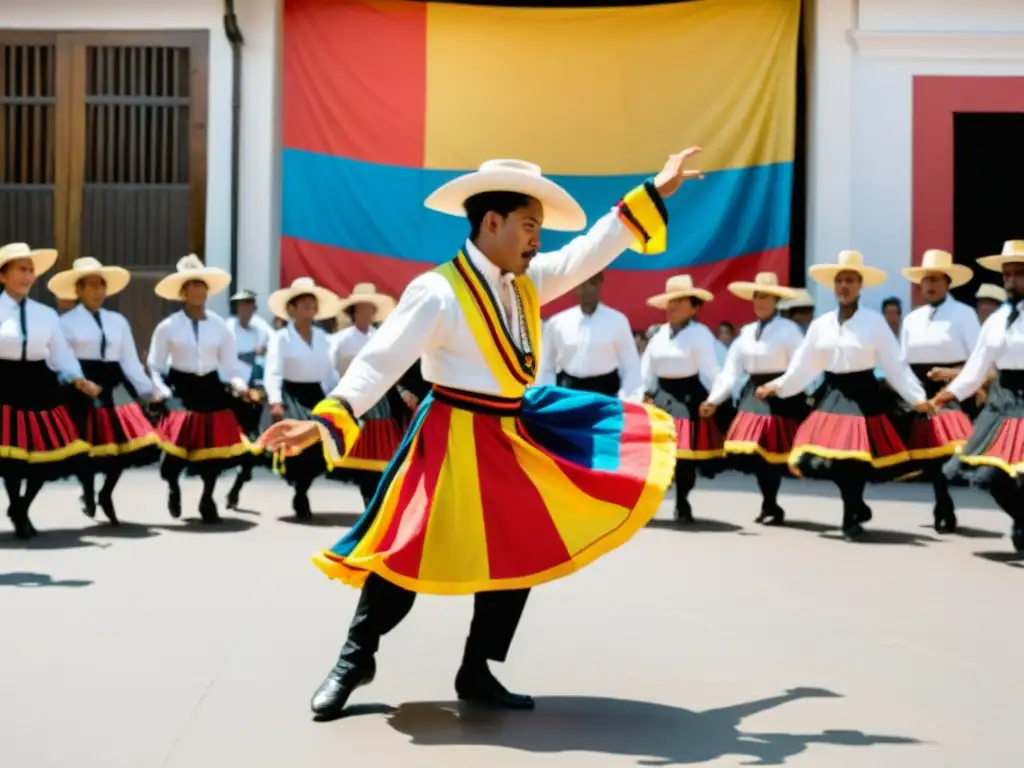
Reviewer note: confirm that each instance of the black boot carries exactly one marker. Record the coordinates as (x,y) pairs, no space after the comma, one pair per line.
(771,514)
(330,698)
(236,491)
(208,510)
(475,684)
(106,502)
(300,504)
(174,499)
(88,506)
(22,527)
(1017,535)
(945,518)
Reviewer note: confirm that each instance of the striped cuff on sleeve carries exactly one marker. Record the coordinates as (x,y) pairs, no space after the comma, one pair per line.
(643,212)
(338,430)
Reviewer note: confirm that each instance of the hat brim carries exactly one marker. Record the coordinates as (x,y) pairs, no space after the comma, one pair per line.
(662,299)
(328,303)
(384,305)
(996,263)
(561,211)
(958,274)
(42,260)
(825,274)
(64,284)
(747,291)
(216,280)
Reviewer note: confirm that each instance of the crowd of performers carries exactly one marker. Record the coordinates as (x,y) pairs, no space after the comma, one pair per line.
(76,401)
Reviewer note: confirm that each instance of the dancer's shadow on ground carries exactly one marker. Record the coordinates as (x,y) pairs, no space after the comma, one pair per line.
(100,535)
(196,525)
(325,519)
(655,734)
(1012,559)
(870,535)
(700,525)
(27,579)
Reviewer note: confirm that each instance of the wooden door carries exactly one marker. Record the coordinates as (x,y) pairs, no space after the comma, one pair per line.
(104,152)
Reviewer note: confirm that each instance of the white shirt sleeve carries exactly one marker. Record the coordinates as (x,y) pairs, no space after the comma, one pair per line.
(631,388)
(729,376)
(802,370)
(648,378)
(897,372)
(228,362)
(61,358)
(546,375)
(982,358)
(707,358)
(156,360)
(129,361)
(273,376)
(401,339)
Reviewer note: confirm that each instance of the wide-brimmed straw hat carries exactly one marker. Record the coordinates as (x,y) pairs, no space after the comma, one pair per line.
(328,303)
(847,261)
(243,295)
(366,293)
(936,261)
(764,282)
(991,292)
(679,287)
(561,211)
(43,259)
(191,268)
(63,285)
(1013,253)
(802,299)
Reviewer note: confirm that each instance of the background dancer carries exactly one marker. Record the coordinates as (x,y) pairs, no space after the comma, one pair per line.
(252,336)
(853,436)
(117,430)
(761,436)
(678,368)
(590,347)
(189,353)
(937,335)
(38,440)
(299,366)
(492,493)
(993,458)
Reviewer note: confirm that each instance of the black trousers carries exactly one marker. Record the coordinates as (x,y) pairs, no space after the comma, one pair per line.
(382,606)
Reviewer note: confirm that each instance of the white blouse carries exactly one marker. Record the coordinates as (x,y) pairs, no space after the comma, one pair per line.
(689,352)
(106,336)
(940,335)
(248,339)
(997,345)
(862,343)
(780,338)
(199,347)
(348,343)
(429,322)
(42,340)
(584,346)
(291,358)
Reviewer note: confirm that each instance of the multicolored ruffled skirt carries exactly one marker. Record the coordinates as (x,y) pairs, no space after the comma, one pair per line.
(698,440)
(199,425)
(857,425)
(37,435)
(762,433)
(116,428)
(488,493)
(936,437)
(995,448)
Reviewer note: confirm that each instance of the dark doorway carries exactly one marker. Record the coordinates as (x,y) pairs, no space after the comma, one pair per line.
(988,204)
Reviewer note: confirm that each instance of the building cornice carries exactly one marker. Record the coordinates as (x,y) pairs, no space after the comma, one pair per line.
(938,45)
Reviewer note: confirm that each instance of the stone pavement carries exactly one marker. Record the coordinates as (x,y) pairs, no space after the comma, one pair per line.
(169,644)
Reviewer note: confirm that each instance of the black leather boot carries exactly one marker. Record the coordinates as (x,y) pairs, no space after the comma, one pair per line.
(475,684)
(330,698)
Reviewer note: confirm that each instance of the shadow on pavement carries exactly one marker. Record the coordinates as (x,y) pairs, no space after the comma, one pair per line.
(700,525)
(196,525)
(325,519)
(74,538)
(1012,559)
(656,734)
(26,579)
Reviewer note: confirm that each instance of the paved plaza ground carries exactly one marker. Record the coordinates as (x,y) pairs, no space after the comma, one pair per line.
(169,644)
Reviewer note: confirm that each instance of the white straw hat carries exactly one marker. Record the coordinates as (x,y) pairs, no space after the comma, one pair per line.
(328,302)
(764,282)
(991,292)
(561,211)
(366,293)
(847,261)
(63,285)
(802,299)
(191,268)
(679,287)
(43,259)
(942,262)
(1013,253)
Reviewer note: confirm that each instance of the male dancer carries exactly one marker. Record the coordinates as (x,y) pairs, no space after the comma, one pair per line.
(590,347)
(491,492)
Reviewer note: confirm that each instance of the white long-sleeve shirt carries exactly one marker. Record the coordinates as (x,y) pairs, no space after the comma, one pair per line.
(942,334)
(862,343)
(429,322)
(348,343)
(198,347)
(687,353)
(780,339)
(256,335)
(997,345)
(584,346)
(43,338)
(291,358)
(107,337)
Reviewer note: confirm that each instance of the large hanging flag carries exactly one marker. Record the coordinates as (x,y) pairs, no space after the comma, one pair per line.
(384,101)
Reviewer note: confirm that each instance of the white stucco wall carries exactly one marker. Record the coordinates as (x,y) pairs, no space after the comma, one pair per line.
(862,59)
(259,184)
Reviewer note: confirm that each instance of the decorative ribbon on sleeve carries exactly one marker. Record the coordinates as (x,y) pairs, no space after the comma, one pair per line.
(339,429)
(643,212)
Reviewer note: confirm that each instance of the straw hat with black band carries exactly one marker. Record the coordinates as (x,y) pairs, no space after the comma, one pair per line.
(764,282)
(679,287)
(328,303)
(64,285)
(1013,253)
(366,293)
(802,299)
(188,269)
(936,262)
(847,261)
